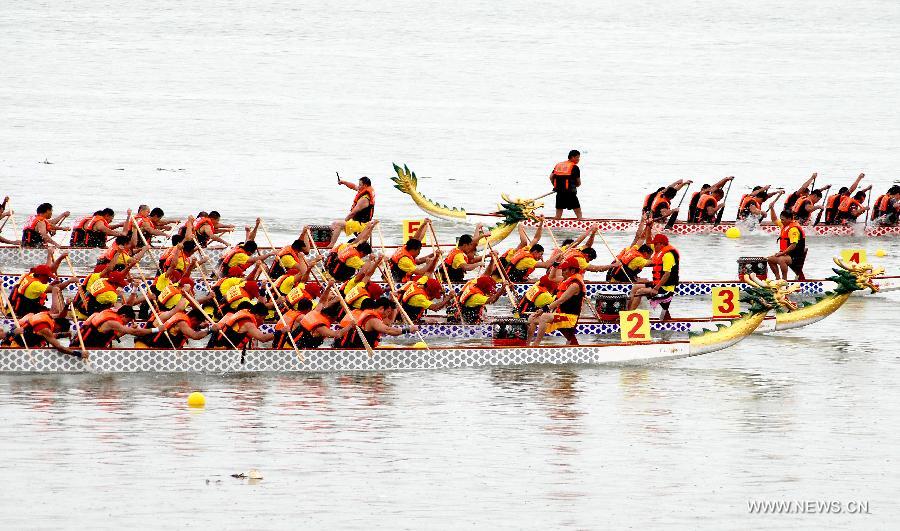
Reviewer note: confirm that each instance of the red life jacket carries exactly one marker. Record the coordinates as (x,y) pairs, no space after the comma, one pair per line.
(399,274)
(573,305)
(747,201)
(351,339)
(30,235)
(20,301)
(455,274)
(179,340)
(562,176)
(657,261)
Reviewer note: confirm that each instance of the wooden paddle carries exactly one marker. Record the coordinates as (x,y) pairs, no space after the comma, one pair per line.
(207,317)
(506,283)
(150,302)
(724,199)
(824,206)
(274,299)
(340,296)
(674,216)
(616,258)
(868,209)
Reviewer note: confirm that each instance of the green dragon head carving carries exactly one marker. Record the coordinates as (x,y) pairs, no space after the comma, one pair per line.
(764,295)
(853,277)
(516,210)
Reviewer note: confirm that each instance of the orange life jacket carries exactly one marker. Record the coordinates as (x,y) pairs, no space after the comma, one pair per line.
(297,294)
(365,215)
(648,201)
(848,205)
(455,274)
(231,253)
(231,325)
(351,340)
(179,340)
(799,208)
(881,205)
(562,176)
(399,274)
(706,200)
(90,329)
(469,291)
(110,253)
(30,235)
(515,274)
(747,201)
(36,322)
(168,293)
(657,261)
(19,293)
(573,305)
(659,204)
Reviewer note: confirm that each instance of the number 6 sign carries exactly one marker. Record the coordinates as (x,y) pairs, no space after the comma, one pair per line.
(635,325)
(726,302)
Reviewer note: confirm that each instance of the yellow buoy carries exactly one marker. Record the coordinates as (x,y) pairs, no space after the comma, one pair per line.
(880,253)
(420,344)
(733,232)
(196,399)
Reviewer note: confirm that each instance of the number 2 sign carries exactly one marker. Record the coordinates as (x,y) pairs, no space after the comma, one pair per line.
(726,302)
(635,325)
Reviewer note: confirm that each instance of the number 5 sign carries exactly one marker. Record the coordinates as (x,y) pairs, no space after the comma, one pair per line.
(726,302)
(410,226)
(635,325)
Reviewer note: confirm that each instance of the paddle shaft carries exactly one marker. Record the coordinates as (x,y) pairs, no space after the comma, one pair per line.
(506,284)
(615,258)
(208,318)
(824,206)
(150,302)
(724,199)
(868,209)
(674,217)
(83,295)
(385,272)
(274,300)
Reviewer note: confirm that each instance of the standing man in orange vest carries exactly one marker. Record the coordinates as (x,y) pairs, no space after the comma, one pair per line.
(566,178)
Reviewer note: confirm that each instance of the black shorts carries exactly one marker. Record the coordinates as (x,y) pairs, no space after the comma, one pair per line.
(567,200)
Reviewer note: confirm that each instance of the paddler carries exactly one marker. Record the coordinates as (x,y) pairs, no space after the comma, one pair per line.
(92,231)
(102,328)
(119,254)
(406,263)
(104,290)
(181,326)
(41,330)
(631,260)
(791,246)
(518,263)
(887,207)
(832,205)
(693,204)
(666,263)
(240,327)
(289,323)
(799,193)
(421,294)
(360,288)
(315,326)
(346,259)
(566,178)
(5,214)
(294,256)
(852,207)
(661,206)
(476,295)
(805,206)
(538,295)
(461,258)
(242,256)
(29,293)
(151,223)
(375,318)
(751,204)
(561,314)
(39,228)
(361,212)
(709,205)
(206,229)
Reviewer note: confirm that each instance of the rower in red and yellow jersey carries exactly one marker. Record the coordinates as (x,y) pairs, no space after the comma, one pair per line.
(405,262)
(181,327)
(177,256)
(41,330)
(475,296)
(29,295)
(852,207)
(119,252)
(240,327)
(39,228)
(666,262)
(375,318)
(461,258)
(315,326)
(102,328)
(561,314)
(538,296)
(361,213)
(103,291)
(791,247)
(293,256)
(422,294)
(242,255)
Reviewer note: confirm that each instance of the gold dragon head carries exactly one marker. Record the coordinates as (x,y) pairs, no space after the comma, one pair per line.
(780,290)
(521,208)
(861,273)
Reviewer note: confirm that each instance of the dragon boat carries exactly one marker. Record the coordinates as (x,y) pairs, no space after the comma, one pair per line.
(513,211)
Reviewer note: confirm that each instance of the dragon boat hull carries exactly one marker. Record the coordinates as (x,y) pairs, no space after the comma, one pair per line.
(331,360)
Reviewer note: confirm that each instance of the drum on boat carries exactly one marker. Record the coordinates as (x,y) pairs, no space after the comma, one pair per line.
(509,332)
(610,304)
(752,264)
(321,234)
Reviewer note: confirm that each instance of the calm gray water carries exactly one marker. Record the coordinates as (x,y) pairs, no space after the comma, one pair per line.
(249,108)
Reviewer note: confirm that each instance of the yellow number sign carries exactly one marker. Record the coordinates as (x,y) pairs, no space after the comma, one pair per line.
(410,226)
(635,325)
(854,255)
(726,302)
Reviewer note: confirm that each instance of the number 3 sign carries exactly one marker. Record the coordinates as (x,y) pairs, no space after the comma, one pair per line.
(726,302)
(635,325)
